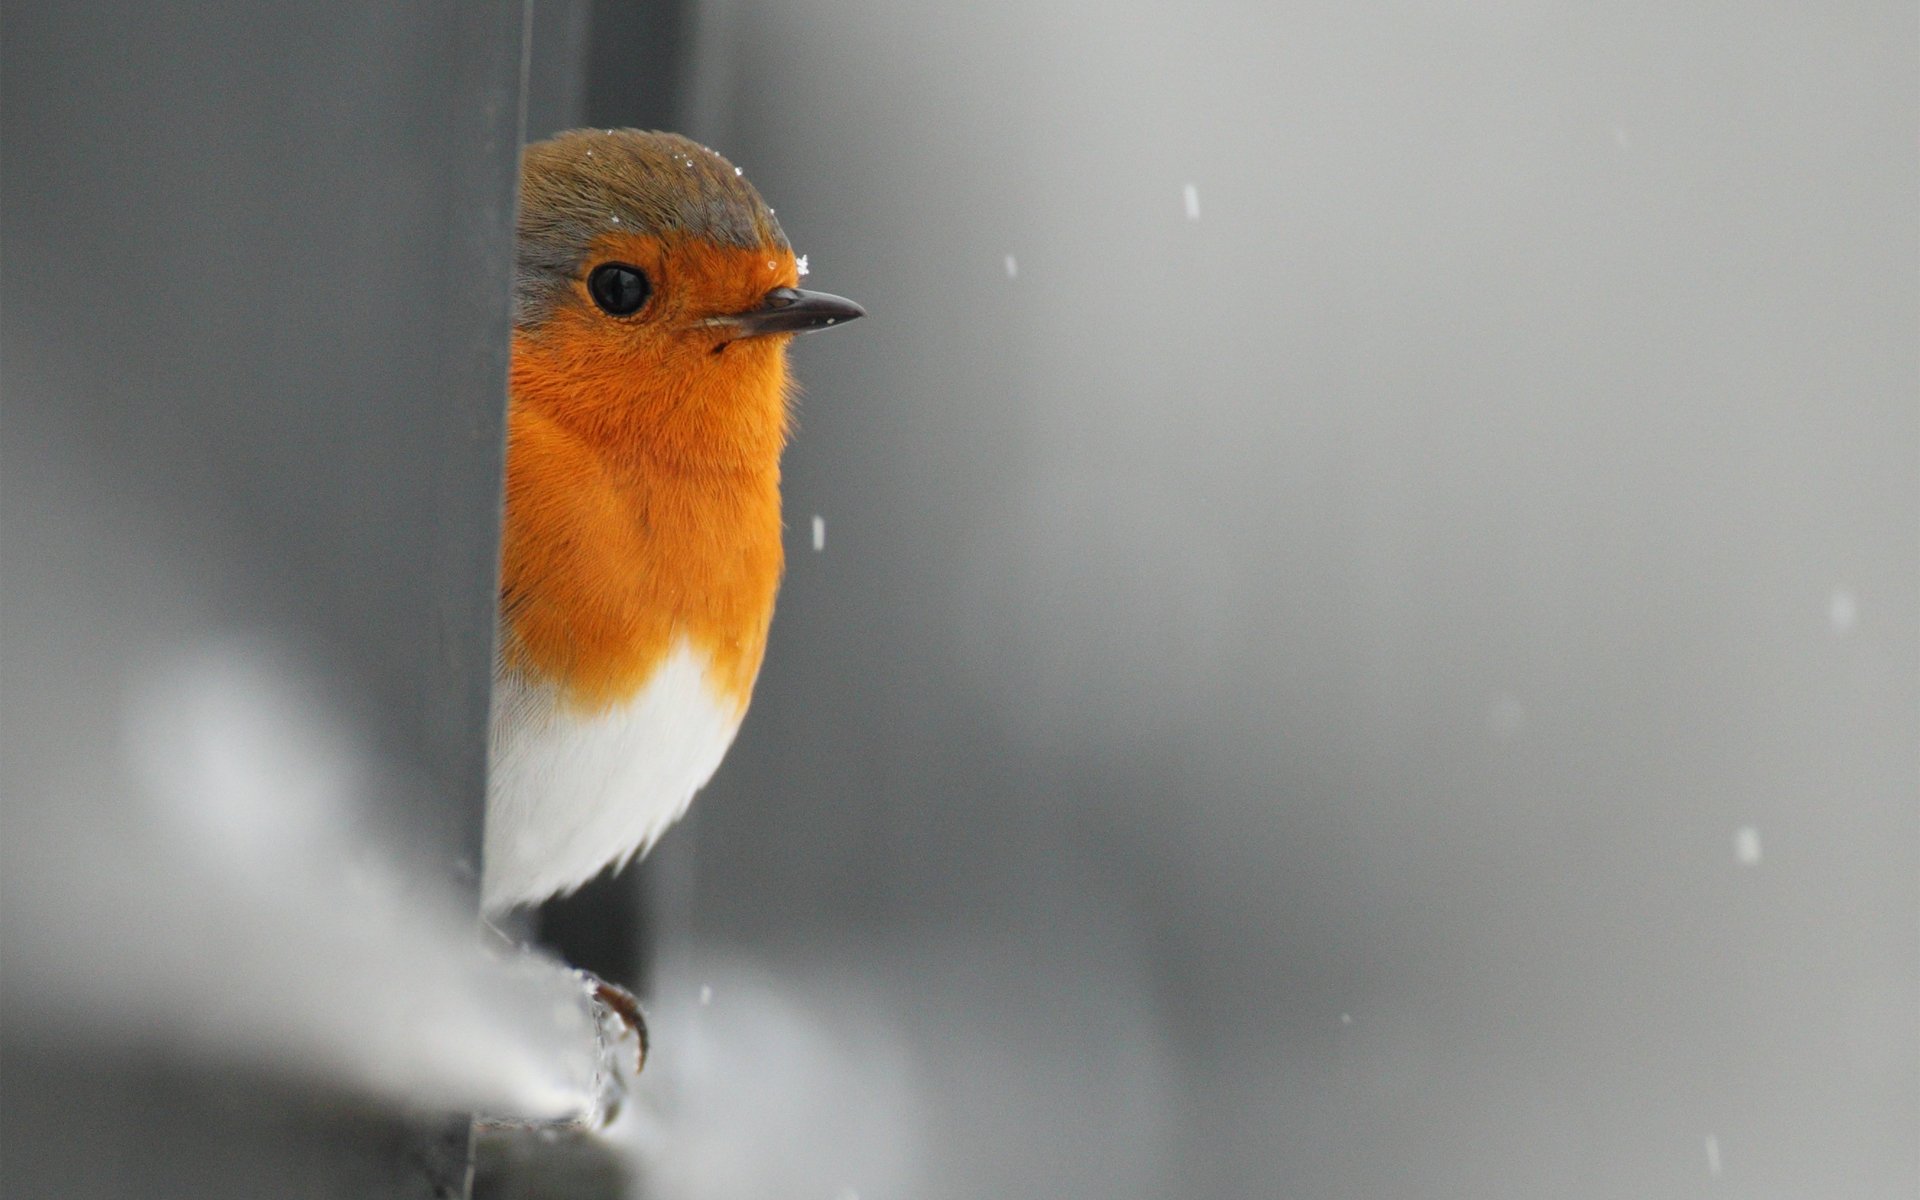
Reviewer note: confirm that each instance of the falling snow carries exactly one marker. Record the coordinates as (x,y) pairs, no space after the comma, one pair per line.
(1746,846)
(1713,1156)
(706,995)
(1013,268)
(802,264)
(819,533)
(1192,196)
(1842,610)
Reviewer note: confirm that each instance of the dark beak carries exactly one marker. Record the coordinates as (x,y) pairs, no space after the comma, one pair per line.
(790,310)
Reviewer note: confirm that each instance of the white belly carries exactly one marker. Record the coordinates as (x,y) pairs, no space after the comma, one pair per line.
(569,794)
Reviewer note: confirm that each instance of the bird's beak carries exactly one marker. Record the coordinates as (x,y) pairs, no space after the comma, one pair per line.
(790,310)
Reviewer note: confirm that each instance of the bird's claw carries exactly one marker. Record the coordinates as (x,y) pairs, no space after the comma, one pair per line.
(615,1006)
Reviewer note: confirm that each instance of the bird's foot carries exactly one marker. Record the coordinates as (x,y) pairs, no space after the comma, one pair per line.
(618,1012)
(608,1015)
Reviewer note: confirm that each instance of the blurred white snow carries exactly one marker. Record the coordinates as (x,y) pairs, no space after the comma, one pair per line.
(237,898)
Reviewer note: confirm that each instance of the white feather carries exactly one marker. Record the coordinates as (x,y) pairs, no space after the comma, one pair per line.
(569,793)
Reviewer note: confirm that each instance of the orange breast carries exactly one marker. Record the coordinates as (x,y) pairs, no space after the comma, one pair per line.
(618,539)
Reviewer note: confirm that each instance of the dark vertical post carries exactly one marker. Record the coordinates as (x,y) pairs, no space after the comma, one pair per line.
(256,277)
(606,63)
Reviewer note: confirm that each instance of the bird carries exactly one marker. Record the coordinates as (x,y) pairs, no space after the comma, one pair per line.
(649,401)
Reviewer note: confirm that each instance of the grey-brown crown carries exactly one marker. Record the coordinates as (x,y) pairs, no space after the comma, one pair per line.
(585,183)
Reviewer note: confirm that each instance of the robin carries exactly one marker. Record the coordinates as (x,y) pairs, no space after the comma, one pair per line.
(654,299)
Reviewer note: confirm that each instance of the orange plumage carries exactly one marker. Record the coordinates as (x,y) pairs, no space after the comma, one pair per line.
(643,487)
(642,493)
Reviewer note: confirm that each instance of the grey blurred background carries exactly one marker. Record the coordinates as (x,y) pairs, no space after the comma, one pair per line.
(253,317)
(1366,642)
(1366,639)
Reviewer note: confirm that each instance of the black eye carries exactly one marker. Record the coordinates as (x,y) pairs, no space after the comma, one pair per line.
(618,288)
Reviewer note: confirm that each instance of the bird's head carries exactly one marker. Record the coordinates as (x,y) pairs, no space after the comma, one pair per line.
(654,297)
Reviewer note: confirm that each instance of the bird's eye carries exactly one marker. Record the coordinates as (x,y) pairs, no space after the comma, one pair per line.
(618,288)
